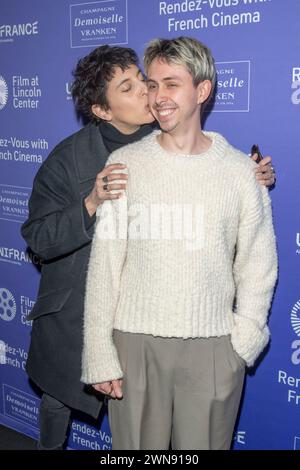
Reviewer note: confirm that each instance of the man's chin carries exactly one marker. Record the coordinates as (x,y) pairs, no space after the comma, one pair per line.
(165,127)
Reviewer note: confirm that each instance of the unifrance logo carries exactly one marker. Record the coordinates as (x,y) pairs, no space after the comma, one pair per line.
(8,307)
(17,256)
(295,318)
(68,90)
(8,32)
(3,92)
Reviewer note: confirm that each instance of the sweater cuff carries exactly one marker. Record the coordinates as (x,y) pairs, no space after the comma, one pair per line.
(101,366)
(248,340)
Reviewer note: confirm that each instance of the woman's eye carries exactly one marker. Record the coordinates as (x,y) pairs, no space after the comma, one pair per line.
(125,90)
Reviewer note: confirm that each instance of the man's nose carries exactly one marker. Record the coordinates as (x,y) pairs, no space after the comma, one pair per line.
(160,96)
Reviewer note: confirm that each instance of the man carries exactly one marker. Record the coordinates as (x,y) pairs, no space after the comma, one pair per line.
(191,237)
(110,91)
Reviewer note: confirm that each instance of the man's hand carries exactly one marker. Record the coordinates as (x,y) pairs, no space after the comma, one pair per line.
(265,173)
(99,192)
(113,389)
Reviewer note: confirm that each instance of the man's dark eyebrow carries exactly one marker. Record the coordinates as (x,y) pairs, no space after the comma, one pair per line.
(175,77)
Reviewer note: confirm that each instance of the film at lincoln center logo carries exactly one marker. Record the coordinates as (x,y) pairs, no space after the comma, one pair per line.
(295,318)
(8,308)
(3,92)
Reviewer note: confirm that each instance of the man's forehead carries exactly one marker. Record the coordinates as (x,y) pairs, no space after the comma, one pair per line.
(164,70)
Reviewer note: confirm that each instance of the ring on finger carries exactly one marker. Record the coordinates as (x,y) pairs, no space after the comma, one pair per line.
(105,179)
(105,187)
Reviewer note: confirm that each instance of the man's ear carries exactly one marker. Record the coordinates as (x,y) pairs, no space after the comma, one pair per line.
(101,113)
(204,90)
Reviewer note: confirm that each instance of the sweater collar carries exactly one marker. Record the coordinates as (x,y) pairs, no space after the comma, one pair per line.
(216,150)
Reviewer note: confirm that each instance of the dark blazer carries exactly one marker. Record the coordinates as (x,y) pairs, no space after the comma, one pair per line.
(60,230)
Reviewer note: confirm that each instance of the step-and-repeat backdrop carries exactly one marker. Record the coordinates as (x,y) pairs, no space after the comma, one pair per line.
(256,46)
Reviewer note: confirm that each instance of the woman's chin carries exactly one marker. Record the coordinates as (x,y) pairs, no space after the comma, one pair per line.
(149,119)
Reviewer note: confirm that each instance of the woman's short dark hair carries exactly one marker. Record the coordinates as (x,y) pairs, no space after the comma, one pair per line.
(93,73)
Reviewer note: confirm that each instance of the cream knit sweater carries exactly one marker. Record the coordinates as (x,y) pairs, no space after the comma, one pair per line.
(190,234)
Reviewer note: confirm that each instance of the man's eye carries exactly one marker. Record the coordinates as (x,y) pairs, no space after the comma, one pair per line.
(151,86)
(171,85)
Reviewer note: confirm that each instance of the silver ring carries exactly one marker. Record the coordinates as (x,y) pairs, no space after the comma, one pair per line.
(105,187)
(272,168)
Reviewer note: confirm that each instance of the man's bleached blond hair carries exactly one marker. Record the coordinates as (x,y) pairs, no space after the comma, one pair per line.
(185,51)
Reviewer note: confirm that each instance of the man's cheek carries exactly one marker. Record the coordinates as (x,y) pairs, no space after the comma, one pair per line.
(152,110)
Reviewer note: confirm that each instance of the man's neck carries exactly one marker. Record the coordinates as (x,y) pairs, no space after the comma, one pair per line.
(192,142)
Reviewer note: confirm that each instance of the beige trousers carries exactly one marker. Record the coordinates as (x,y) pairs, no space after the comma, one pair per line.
(183,391)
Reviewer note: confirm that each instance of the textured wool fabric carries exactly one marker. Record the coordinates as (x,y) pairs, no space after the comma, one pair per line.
(188,251)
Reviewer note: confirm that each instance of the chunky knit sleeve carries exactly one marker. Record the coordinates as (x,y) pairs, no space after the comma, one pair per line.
(100,362)
(255,271)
